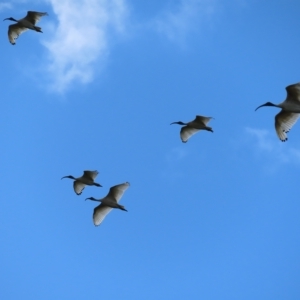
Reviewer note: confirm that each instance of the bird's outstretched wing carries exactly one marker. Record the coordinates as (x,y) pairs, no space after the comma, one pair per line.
(14,31)
(284,121)
(100,212)
(78,187)
(202,119)
(91,175)
(34,16)
(293,92)
(186,132)
(116,192)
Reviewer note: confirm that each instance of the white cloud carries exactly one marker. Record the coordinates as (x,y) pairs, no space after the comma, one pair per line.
(262,139)
(177,22)
(81,38)
(271,149)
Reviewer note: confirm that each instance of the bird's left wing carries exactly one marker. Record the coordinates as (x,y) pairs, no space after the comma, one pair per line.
(284,121)
(78,187)
(14,31)
(34,16)
(186,132)
(100,212)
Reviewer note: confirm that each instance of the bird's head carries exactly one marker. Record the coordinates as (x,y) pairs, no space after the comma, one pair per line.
(93,199)
(70,176)
(179,122)
(266,104)
(11,19)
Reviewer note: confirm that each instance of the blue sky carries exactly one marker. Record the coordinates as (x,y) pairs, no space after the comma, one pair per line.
(215,218)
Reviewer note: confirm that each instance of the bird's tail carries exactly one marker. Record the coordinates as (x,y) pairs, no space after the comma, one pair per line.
(122,207)
(38,29)
(208,129)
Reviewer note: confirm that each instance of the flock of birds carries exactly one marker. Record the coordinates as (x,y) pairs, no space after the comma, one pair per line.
(284,121)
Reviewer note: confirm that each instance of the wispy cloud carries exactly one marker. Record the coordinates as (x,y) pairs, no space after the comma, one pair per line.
(271,149)
(177,21)
(263,140)
(176,154)
(174,157)
(81,38)
(5,5)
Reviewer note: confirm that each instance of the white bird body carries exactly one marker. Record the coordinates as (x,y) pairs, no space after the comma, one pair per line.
(109,202)
(190,128)
(289,106)
(24,24)
(87,178)
(290,111)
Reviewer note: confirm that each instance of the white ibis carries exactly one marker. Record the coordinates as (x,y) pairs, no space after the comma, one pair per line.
(24,24)
(190,128)
(109,202)
(290,111)
(87,178)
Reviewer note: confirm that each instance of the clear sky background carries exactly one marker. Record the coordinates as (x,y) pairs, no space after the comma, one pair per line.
(215,218)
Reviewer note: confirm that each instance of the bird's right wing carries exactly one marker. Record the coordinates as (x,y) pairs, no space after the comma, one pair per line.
(91,175)
(34,16)
(14,31)
(186,132)
(202,119)
(284,121)
(78,187)
(293,92)
(100,212)
(116,192)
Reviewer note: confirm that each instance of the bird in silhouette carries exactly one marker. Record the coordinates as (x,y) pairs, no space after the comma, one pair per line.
(87,178)
(109,202)
(24,24)
(190,128)
(290,111)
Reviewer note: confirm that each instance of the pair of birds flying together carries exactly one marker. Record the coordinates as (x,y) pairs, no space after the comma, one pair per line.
(110,201)
(284,120)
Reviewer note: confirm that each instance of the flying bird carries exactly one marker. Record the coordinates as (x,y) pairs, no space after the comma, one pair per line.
(290,111)
(192,127)
(109,202)
(87,178)
(24,24)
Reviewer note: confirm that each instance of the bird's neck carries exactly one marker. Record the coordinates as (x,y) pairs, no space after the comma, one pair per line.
(180,123)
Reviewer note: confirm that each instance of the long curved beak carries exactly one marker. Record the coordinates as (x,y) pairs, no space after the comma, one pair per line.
(63,177)
(92,198)
(179,123)
(6,19)
(259,107)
